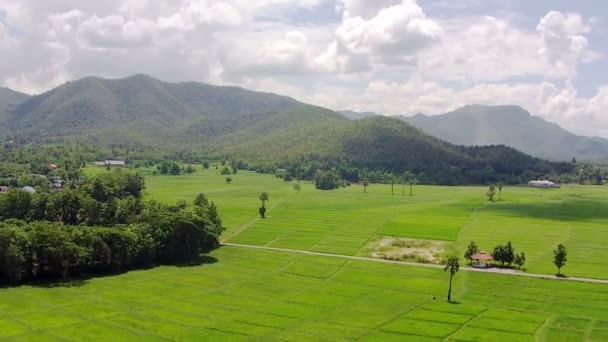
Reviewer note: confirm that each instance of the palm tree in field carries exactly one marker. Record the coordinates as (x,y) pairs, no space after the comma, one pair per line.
(410,178)
(499,185)
(452,264)
(264,197)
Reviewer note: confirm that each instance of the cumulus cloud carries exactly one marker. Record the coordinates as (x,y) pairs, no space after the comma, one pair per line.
(393,35)
(564,43)
(389,56)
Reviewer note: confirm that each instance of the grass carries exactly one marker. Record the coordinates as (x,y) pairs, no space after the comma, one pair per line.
(346,221)
(278,296)
(266,295)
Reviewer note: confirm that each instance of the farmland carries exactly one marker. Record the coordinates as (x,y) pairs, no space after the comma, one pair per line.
(242,294)
(346,221)
(237,293)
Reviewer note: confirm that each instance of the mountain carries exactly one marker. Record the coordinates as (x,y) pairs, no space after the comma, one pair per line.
(139,110)
(261,128)
(8,100)
(352,115)
(511,126)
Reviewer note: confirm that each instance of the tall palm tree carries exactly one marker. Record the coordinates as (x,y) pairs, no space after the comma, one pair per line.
(452,264)
(264,197)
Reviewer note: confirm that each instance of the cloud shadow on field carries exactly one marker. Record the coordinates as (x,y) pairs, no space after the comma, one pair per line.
(567,210)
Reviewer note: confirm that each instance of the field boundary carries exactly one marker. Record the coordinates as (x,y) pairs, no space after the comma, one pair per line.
(414,264)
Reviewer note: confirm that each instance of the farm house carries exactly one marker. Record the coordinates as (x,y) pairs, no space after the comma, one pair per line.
(543,184)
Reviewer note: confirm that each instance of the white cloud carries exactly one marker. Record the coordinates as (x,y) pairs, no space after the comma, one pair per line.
(364,8)
(394,35)
(564,42)
(389,56)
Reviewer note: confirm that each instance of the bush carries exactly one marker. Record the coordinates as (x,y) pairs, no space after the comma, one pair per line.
(327,180)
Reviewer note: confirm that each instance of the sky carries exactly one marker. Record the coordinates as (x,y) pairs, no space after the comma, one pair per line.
(387,56)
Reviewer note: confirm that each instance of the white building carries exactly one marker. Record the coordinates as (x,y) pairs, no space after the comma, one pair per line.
(542,184)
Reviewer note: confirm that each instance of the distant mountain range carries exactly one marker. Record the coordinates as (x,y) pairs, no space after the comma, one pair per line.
(510,126)
(144,112)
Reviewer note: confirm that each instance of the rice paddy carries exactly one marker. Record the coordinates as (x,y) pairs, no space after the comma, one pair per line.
(246,294)
(243,294)
(347,220)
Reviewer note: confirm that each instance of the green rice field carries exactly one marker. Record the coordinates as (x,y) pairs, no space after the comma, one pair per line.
(240,293)
(243,294)
(344,221)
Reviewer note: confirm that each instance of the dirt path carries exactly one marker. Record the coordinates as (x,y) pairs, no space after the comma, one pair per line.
(383,261)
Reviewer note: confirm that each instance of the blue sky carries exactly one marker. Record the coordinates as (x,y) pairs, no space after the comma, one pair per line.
(388,56)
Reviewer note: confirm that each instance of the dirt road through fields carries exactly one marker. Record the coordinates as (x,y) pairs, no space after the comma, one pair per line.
(395,262)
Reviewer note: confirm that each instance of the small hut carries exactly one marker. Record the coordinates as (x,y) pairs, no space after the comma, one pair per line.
(481,260)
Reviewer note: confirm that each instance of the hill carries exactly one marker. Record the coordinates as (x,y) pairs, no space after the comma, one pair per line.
(139,110)
(511,126)
(263,128)
(8,100)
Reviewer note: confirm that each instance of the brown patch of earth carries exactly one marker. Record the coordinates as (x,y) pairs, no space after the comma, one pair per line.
(402,249)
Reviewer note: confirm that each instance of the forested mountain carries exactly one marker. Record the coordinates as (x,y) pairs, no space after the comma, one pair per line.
(8,100)
(139,110)
(259,128)
(511,126)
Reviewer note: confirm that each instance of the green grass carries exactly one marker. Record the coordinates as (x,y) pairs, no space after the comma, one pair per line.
(263,295)
(344,221)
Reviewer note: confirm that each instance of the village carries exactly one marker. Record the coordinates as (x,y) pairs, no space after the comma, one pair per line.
(53,179)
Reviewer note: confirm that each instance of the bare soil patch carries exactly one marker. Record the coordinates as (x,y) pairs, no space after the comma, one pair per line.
(404,249)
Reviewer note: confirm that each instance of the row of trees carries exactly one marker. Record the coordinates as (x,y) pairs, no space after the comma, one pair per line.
(505,255)
(101,225)
(50,250)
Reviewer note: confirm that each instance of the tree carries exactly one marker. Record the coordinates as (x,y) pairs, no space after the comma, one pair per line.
(499,185)
(472,249)
(509,254)
(560,256)
(327,180)
(410,178)
(491,192)
(228,180)
(205,165)
(393,181)
(226,171)
(15,204)
(201,200)
(520,260)
(175,169)
(264,197)
(452,264)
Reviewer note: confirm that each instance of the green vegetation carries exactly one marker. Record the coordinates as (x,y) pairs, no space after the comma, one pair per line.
(344,221)
(453,265)
(264,197)
(471,250)
(100,226)
(241,294)
(560,256)
(268,132)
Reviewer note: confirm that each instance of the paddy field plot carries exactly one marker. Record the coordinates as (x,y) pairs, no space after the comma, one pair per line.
(243,294)
(347,221)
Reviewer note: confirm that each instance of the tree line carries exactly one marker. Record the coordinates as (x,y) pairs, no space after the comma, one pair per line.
(100,227)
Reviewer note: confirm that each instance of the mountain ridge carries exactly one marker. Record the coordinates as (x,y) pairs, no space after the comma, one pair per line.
(231,122)
(509,125)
